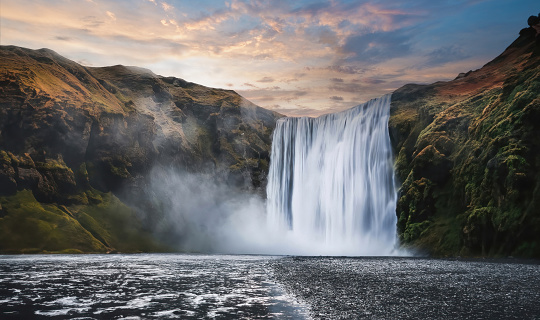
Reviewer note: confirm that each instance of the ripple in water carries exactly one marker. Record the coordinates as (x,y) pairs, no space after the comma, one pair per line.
(142,286)
(158,286)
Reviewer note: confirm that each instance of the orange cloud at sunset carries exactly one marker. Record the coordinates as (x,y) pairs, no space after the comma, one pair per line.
(374,47)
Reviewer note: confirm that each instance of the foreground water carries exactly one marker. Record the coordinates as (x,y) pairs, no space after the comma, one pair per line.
(142,286)
(262,287)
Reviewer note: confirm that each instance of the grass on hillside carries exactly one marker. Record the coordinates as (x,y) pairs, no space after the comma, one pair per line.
(28,226)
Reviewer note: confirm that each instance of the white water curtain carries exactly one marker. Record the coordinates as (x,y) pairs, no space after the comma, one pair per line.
(331,181)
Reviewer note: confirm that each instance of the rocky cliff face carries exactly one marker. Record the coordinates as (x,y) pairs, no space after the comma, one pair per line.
(72,135)
(467,154)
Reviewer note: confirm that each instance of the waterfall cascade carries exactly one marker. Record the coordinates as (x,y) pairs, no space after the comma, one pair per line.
(331,183)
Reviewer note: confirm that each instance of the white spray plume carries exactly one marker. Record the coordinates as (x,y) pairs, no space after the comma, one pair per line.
(331,191)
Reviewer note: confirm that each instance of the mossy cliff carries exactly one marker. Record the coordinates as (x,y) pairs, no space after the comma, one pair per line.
(77,145)
(105,225)
(467,155)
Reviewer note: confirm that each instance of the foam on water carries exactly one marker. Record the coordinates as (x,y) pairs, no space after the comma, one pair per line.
(180,286)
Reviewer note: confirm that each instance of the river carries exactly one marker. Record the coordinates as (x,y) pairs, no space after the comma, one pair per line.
(176,286)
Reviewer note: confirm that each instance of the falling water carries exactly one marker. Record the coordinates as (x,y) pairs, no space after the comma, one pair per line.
(331,183)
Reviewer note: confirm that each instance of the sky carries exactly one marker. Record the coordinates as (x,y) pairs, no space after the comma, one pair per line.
(299,58)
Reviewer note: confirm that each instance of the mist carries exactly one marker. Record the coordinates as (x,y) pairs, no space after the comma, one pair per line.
(208,211)
(203,214)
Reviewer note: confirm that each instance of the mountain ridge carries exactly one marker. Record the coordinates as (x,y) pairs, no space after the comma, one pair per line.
(74,136)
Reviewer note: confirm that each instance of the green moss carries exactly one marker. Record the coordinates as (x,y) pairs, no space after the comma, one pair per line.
(528,250)
(30,225)
(448,236)
(401,163)
(204,142)
(414,231)
(82,170)
(118,167)
(9,159)
(490,138)
(416,205)
(94,227)
(117,225)
(5,158)
(94,196)
(69,251)
(52,165)
(264,165)
(121,172)
(79,198)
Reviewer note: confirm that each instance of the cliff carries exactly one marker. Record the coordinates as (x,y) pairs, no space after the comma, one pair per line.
(467,157)
(77,145)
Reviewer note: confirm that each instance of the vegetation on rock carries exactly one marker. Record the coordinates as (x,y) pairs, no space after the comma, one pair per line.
(467,156)
(71,137)
(29,226)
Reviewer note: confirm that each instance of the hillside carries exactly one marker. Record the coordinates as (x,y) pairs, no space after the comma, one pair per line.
(467,157)
(77,145)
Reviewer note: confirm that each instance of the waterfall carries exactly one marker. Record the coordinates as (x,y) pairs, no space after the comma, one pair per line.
(331,185)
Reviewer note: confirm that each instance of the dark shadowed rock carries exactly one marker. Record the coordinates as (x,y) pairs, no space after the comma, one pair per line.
(533,20)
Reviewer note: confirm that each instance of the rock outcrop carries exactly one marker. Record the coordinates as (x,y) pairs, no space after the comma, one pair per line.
(72,134)
(467,155)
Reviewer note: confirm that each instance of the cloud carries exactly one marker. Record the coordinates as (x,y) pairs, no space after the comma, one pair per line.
(266,79)
(297,110)
(62,38)
(373,81)
(84,63)
(373,47)
(336,98)
(277,24)
(91,22)
(166,6)
(285,98)
(444,55)
(323,35)
(344,16)
(313,9)
(266,98)
(349,87)
(348,69)
(377,47)
(111,15)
